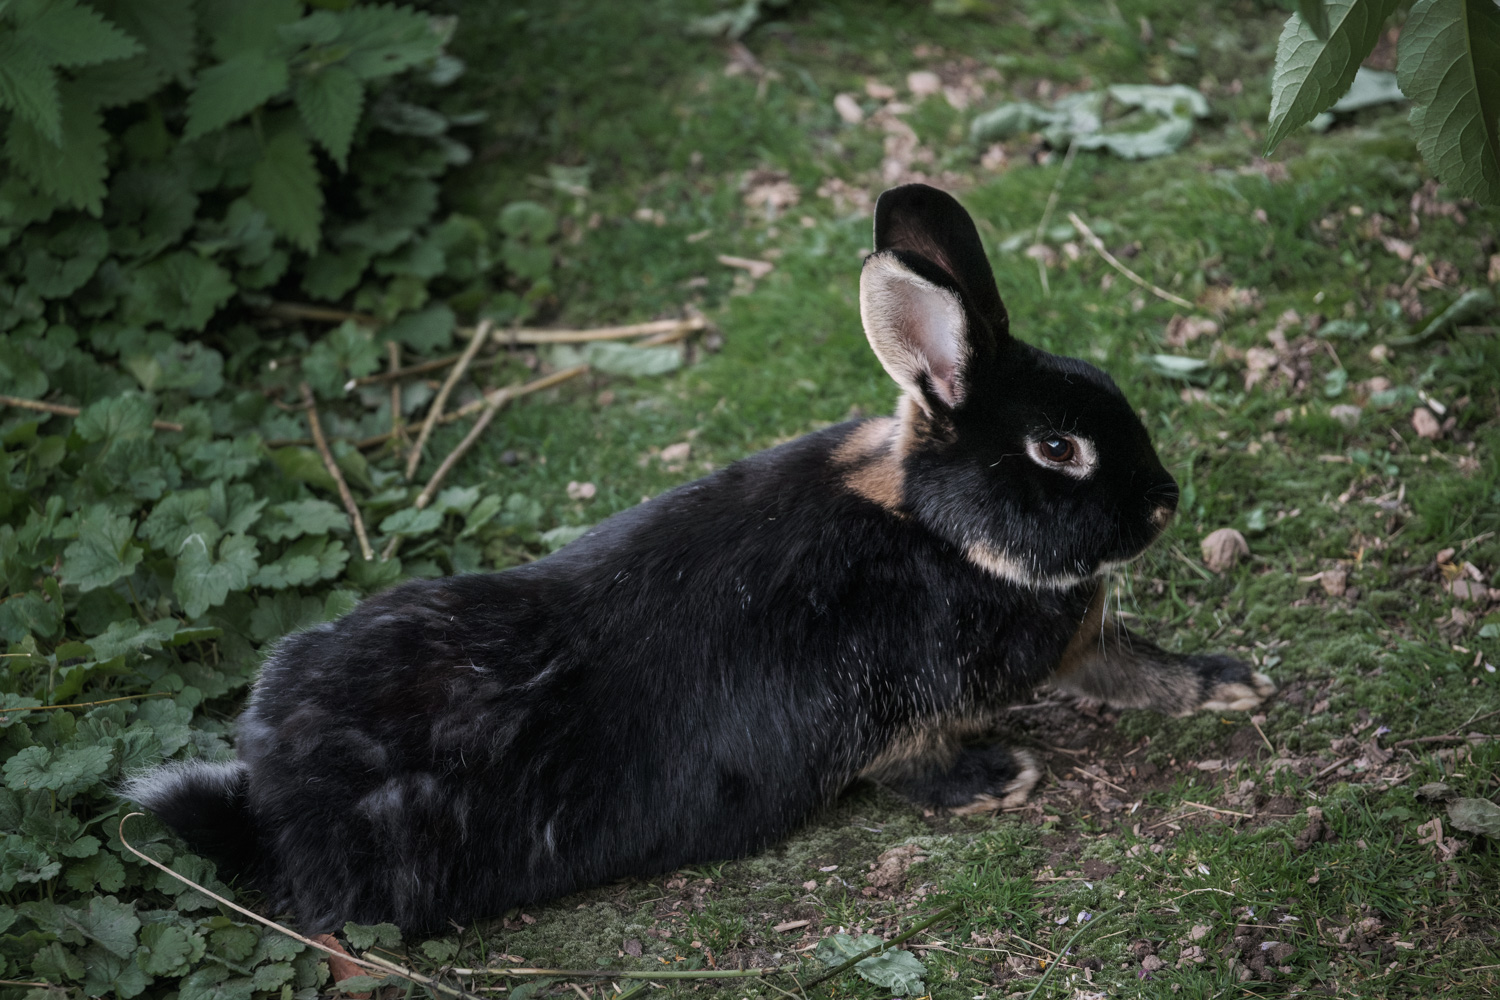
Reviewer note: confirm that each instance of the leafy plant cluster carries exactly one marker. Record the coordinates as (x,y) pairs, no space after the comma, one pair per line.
(1448,66)
(171,172)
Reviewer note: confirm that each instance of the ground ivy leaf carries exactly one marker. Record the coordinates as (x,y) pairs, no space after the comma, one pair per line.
(329,102)
(284,184)
(126,415)
(270,977)
(130,636)
(113,975)
(295,518)
(180,290)
(1311,73)
(177,516)
(307,560)
(412,521)
(62,771)
(167,949)
(103,870)
(277,615)
(425,330)
(203,581)
(103,552)
(1449,66)
(366,936)
(56,963)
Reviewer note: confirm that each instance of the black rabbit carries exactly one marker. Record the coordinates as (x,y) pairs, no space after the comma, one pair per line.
(692,678)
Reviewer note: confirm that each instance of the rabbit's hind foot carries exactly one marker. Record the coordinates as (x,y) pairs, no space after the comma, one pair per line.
(976,779)
(1230,685)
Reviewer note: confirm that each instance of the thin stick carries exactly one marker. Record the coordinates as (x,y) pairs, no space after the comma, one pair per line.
(627,973)
(1471,738)
(1333,767)
(321,443)
(436,409)
(658,327)
(1099,248)
(86,704)
(70,411)
(393,351)
(535,385)
(1262,734)
(883,946)
(1047,972)
(1041,226)
(1096,777)
(1215,809)
(387,967)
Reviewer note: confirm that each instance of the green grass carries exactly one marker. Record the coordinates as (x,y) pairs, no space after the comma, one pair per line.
(619,89)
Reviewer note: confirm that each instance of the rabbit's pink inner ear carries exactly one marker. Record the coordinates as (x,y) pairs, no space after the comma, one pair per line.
(917,329)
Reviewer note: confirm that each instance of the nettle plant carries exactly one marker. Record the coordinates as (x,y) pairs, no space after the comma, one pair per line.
(1448,65)
(172,171)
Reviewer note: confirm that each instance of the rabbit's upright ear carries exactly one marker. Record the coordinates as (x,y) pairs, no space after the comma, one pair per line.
(927,295)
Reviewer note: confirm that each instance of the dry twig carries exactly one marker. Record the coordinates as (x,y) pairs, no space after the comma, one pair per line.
(70,411)
(436,409)
(321,443)
(393,352)
(1110,259)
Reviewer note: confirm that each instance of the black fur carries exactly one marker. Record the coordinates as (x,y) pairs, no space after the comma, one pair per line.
(693,677)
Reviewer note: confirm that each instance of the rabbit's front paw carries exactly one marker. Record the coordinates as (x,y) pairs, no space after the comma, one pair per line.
(1230,685)
(981,779)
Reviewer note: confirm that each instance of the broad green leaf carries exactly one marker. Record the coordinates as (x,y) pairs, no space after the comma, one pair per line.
(109,922)
(73,170)
(1315,15)
(1475,816)
(180,291)
(236,27)
(412,521)
(113,976)
(281,614)
(65,771)
(28,613)
(894,969)
(1311,73)
(305,561)
(565,534)
(28,87)
(232,89)
(168,949)
(296,518)
(103,870)
(271,976)
(305,465)
(127,415)
(58,265)
(334,273)
(167,28)
(1371,87)
(285,185)
(1449,65)
(366,936)
(70,34)
(425,330)
(103,551)
(56,962)
(329,102)
(203,581)
(386,39)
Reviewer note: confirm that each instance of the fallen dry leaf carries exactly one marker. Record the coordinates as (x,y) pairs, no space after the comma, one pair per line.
(1334,581)
(923,83)
(1183,330)
(340,966)
(757,268)
(1223,548)
(1425,424)
(790,925)
(848,109)
(581,491)
(676,452)
(879,91)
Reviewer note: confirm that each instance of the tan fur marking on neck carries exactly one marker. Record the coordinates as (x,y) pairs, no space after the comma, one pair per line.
(1085,642)
(872,459)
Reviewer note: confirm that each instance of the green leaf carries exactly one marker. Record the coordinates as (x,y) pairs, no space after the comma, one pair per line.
(281,614)
(366,936)
(58,265)
(236,27)
(72,35)
(1475,816)
(57,963)
(167,28)
(1449,65)
(412,521)
(202,581)
(28,86)
(130,636)
(180,291)
(304,465)
(385,39)
(168,949)
(1315,16)
(296,518)
(270,977)
(65,772)
(894,969)
(333,273)
(284,185)
(103,551)
(231,90)
(306,561)
(425,330)
(72,170)
(1311,73)
(103,870)
(347,351)
(116,418)
(329,102)
(110,922)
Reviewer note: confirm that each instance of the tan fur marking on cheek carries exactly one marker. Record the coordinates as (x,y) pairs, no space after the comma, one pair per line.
(1085,641)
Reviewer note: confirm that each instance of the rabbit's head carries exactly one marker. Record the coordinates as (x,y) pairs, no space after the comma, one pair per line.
(1033,465)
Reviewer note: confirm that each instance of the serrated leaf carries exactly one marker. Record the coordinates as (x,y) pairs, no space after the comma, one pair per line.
(112,975)
(241,27)
(425,330)
(116,418)
(1311,73)
(305,561)
(168,949)
(69,34)
(270,977)
(28,87)
(103,870)
(65,772)
(329,102)
(179,290)
(1315,15)
(281,614)
(103,551)
(130,636)
(58,265)
(110,923)
(296,518)
(72,170)
(57,963)
(1449,66)
(204,581)
(385,39)
(1475,816)
(167,28)
(366,936)
(284,185)
(412,521)
(227,92)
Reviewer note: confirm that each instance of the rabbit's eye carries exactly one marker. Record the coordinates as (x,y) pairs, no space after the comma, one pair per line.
(1059,449)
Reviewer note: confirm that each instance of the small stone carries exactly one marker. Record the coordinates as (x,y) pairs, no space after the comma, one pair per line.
(848,109)
(1346,414)
(923,83)
(1151,963)
(1224,548)
(1334,581)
